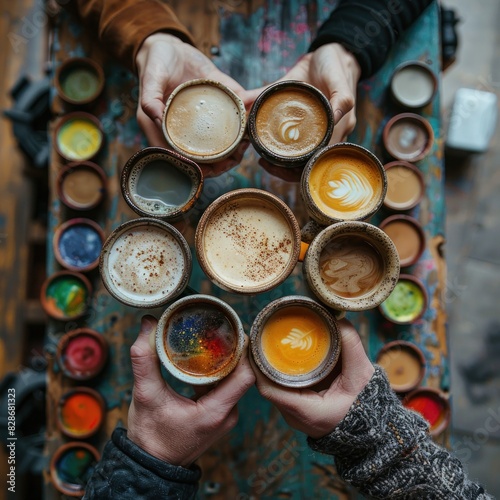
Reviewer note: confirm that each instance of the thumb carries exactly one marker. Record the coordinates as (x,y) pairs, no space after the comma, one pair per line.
(152,96)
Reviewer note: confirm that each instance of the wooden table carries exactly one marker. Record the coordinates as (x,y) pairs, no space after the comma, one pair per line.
(262,457)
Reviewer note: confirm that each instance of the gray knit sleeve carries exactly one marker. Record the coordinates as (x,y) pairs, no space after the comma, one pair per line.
(385,450)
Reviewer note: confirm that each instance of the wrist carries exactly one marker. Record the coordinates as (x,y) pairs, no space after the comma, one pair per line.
(149,42)
(349,61)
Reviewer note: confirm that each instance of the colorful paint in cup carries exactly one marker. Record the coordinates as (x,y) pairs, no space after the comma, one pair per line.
(65,295)
(433,405)
(405,185)
(77,244)
(81,185)
(404,364)
(199,339)
(79,80)
(78,136)
(82,353)
(413,84)
(71,466)
(295,341)
(407,235)
(408,137)
(407,302)
(80,412)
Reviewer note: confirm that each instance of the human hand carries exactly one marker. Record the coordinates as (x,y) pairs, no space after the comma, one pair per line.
(163,63)
(172,427)
(318,413)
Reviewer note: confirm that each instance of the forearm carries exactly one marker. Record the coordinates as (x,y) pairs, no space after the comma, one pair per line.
(369,28)
(385,450)
(125,471)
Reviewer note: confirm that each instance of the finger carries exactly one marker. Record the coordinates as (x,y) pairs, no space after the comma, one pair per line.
(153,96)
(153,134)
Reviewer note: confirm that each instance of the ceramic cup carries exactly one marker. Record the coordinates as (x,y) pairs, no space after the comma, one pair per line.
(145,263)
(289,121)
(405,185)
(247,241)
(295,341)
(343,182)
(351,266)
(204,120)
(156,182)
(413,84)
(199,339)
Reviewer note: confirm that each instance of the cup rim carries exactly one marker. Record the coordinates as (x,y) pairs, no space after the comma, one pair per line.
(193,167)
(67,338)
(79,61)
(427,69)
(237,327)
(74,115)
(314,211)
(364,230)
(239,195)
(416,352)
(206,158)
(57,236)
(295,381)
(86,390)
(417,172)
(145,221)
(68,170)
(419,229)
(421,286)
(58,454)
(59,274)
(276,158)
(425,124)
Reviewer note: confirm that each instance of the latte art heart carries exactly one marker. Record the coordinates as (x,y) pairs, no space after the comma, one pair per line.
(350,190)
(290,130)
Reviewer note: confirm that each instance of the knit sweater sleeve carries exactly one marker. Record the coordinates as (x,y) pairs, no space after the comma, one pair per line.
(369,28)
(385,450)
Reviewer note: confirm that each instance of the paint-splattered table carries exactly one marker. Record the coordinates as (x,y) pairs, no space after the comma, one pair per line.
(262,457)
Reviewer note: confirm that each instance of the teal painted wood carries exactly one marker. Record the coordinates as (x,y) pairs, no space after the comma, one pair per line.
(262,457)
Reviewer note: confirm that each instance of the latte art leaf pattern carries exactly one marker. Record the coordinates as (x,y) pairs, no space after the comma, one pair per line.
(289,130)
(298,339)
(350,190)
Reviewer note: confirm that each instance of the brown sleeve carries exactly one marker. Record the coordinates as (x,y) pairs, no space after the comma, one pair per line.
(123,25)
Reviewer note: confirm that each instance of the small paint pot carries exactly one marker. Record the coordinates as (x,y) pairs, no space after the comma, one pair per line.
(156,182)
(404,364)
(199,339)
(407,302)
(82,353)
(407,235)
(81,185)
(71,466)
(413,85)
(405,185)
(433,405)
(80,412)
(65,295)
(408,137)
(78,136)
(79,81)
(77,244)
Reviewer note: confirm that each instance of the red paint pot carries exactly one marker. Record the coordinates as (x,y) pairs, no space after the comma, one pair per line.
(433,405)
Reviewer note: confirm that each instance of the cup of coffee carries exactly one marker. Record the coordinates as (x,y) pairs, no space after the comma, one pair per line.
(145,263)
(204,120)
(199,339)
(295,341)
(343,182)
(351,266)
(157,182)
(289,121)
(247,241)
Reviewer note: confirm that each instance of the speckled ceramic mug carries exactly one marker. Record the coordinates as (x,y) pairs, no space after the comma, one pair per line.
(351,266)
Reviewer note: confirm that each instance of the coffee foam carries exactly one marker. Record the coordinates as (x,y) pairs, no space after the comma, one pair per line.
(145,264)
(344,185)
(291,122)
(248,243)
(203,120)
(351,267)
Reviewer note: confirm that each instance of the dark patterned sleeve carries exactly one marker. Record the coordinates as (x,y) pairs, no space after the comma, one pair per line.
(369,28)
(386,451)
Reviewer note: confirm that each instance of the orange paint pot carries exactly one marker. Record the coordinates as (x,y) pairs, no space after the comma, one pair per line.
(80,412)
